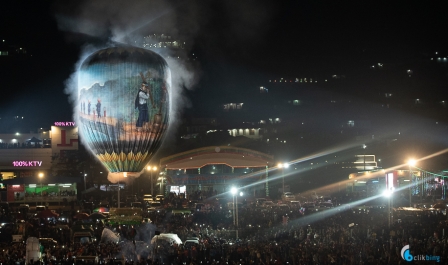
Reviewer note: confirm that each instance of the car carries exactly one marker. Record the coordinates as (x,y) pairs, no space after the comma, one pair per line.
(131,198)
(24,206)
(288,196)
(199,207)
(40,208)
(309,207)
(17,215)
(4,206)
(439,206)
(284,207)
(155,207)
(192,204)
(326,205)
(295,204)
(136,204)
(267,204)
(147,197)
(190,242)
(48,242)
(260,201)
(88,205)
(231,204)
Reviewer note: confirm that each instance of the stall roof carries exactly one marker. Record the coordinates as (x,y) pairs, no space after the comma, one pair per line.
(229,155)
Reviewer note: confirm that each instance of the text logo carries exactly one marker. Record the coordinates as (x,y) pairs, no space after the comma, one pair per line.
(64,123)
(406,255)
(27,163)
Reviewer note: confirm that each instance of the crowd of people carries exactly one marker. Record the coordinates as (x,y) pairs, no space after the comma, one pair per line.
(348,235)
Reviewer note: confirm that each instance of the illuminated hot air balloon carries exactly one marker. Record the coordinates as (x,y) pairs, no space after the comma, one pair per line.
(123,106)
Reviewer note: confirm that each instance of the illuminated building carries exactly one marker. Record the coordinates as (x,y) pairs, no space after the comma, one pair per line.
(28,162)
(153,41)
(9,49)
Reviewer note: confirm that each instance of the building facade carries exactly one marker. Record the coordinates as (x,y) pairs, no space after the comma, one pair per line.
(29,165)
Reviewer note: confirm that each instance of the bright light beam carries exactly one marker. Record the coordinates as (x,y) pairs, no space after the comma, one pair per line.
(146,23)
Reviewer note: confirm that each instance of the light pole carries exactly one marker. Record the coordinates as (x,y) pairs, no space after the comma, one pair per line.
(364,154)
(234,192)
(151,169)
(124,175)
(282,166)
(389,195)
(411,163)
(41,175)
(162,187)
(85,175)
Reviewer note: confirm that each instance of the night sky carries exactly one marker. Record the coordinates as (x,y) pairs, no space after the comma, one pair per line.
(237,46)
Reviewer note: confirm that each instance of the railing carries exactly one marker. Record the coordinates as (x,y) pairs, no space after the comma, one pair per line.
(23,146)
(45,199)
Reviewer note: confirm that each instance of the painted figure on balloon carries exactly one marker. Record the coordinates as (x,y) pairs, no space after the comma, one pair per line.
(142,105)
(98,108)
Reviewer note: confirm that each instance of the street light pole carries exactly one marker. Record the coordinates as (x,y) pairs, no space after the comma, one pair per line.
(152,184)
(234,192)
(85,175)
(234,218)
(283,181)
(411,163)
(364,153)
(236,207)
(267,182)
(388,193)
(119,201)
(282,166)
(41,175)
(151,178)
(388,212)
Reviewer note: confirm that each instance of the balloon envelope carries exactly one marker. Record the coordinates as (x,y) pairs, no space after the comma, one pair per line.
(123,106)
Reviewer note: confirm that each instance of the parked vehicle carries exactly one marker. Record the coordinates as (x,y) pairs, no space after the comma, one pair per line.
(326,205)
(82,238)
(136,204)
(155,207)
(284,207)
(40,208)
(295,204)
(48,242)
(267,204)
(259,201)
(147,197)
(167,237)
(288,196)
(190,242)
